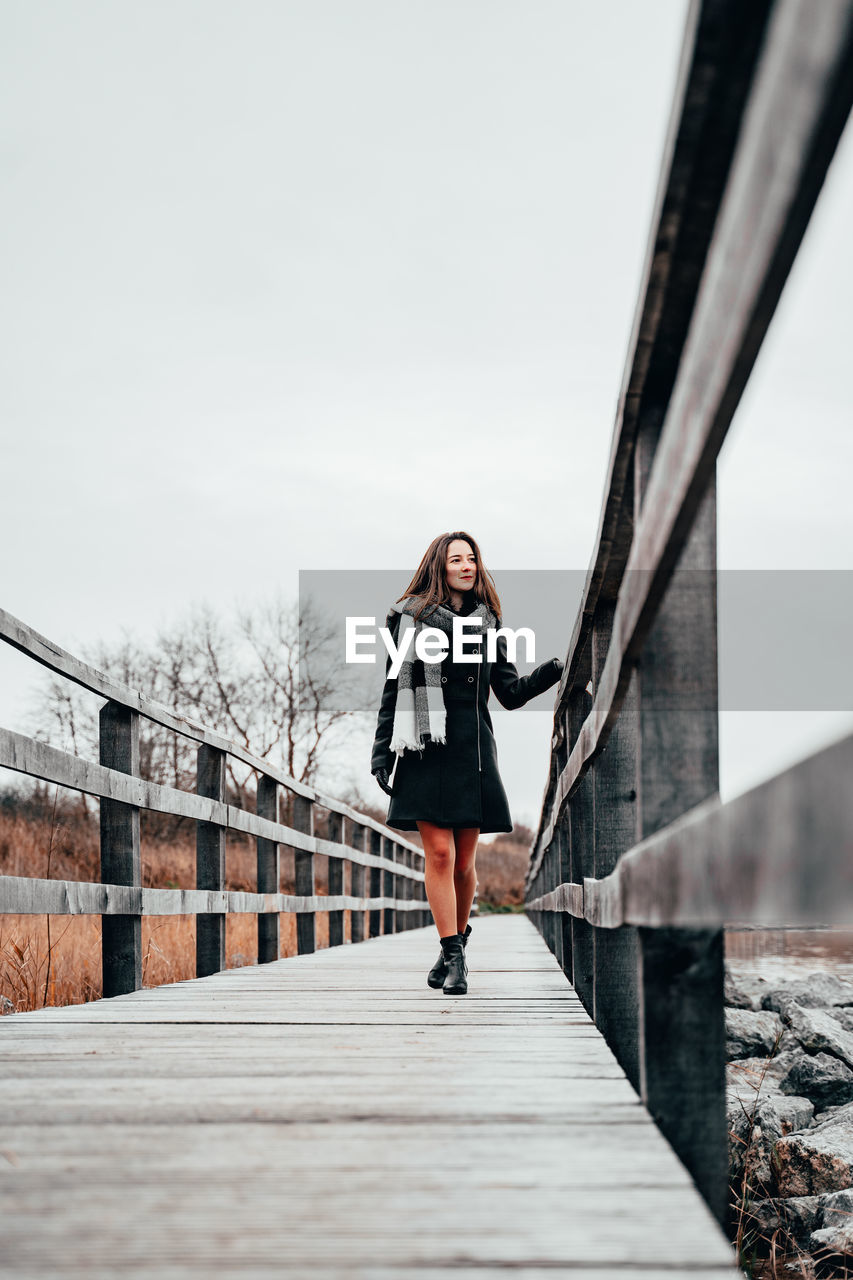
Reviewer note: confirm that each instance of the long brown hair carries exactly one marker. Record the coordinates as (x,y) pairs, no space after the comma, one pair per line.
(430,582)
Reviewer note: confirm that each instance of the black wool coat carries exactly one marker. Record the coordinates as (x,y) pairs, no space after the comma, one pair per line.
(457,783)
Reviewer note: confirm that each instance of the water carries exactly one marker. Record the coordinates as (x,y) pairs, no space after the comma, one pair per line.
(782,954)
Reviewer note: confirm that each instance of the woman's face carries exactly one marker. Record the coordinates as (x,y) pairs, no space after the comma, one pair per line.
(460,566)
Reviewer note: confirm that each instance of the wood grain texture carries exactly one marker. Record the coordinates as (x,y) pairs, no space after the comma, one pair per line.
(740,862)
(210,862)
(286,1120)
(799,97)
(721,43)
(26,895)
(269,871)
(26,755)
(121,935)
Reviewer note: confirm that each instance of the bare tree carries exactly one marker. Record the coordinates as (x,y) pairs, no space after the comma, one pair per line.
(271,679)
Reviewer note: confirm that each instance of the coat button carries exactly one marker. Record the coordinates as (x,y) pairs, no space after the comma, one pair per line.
(444,679)
(470,679)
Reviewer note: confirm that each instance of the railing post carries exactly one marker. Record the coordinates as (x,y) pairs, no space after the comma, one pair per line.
(426,914)
(388,888)
(682,1028)
(357,881)
(210,863)
(336,880)
(581,825)
(269,866)
(121,935)
(615,996)
(408,889)
(303,863)
(377,844)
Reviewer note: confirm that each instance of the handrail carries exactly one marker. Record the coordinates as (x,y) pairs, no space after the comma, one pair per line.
(28,641)
(799,101)
(636,867)
(394,899)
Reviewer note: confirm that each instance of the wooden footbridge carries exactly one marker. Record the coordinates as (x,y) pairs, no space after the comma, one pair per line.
(329,1115)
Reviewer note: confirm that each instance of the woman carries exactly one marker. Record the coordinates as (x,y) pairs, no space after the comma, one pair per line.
(434,719)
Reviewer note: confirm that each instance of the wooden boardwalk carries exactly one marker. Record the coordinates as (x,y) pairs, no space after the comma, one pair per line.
(329,1115)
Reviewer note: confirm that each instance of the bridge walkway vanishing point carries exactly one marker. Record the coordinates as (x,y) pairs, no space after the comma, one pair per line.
(330,1115)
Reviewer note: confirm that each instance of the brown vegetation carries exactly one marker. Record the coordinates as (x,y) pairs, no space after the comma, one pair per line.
(56,960)
(501,867)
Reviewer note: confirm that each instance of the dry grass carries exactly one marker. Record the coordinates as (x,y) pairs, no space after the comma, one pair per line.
(56,960)
(501,868)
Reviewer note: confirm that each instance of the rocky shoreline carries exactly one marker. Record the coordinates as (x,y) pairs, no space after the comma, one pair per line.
(789,1047)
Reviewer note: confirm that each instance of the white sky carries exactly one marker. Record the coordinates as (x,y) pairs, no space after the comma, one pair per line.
(300,285)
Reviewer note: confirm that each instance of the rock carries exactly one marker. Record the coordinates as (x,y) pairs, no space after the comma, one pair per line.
(789,1041)
(803,1268)
(838,1240)
(744,990)
(749,1033)
(817,1031)
(836,1209)
(780,1115)
(844,1016)
(833,1115)
(799,1215)
(743,1071)
(755,1124)
(835,1224)
(817,1160)
(826,1080)
(816,991)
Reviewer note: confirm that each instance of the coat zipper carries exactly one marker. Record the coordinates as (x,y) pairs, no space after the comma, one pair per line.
(477,708)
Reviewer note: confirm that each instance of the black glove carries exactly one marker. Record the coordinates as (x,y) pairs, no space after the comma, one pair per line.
(381,776)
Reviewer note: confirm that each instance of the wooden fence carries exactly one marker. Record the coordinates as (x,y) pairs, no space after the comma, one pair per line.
(637,867)
(394,900)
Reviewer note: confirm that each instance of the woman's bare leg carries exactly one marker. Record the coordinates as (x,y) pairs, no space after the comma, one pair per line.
(464,872)
(439,858)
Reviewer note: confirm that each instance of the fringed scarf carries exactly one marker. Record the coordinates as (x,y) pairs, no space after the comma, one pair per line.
(419,713)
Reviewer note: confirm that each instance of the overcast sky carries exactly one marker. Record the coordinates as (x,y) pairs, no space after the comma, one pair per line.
(299,285)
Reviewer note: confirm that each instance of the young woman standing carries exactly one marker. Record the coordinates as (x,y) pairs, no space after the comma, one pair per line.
(434,721)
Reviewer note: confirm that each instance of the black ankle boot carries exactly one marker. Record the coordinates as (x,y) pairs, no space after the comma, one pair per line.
(438,972)
(453,951)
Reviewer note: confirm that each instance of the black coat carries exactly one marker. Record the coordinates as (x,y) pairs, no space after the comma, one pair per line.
(457,783)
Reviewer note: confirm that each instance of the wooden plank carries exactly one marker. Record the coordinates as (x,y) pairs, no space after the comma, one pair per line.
(719,51)
(798,105)
(389,924)
(303,820)
(614,779)
(210,862)
(377,848)
(357,876)
(269,871)
(121,934)
(237,1140)
(679,973)
(581,854)
(336,879)
(741,862)
(26,755)
(25,895)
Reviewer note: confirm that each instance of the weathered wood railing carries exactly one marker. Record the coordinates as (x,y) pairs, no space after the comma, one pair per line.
(396,898)
(637,867)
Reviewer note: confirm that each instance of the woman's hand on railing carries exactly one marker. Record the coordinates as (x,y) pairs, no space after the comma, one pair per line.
(381,776)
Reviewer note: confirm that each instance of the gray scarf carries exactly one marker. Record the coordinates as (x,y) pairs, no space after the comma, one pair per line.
(419,713)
